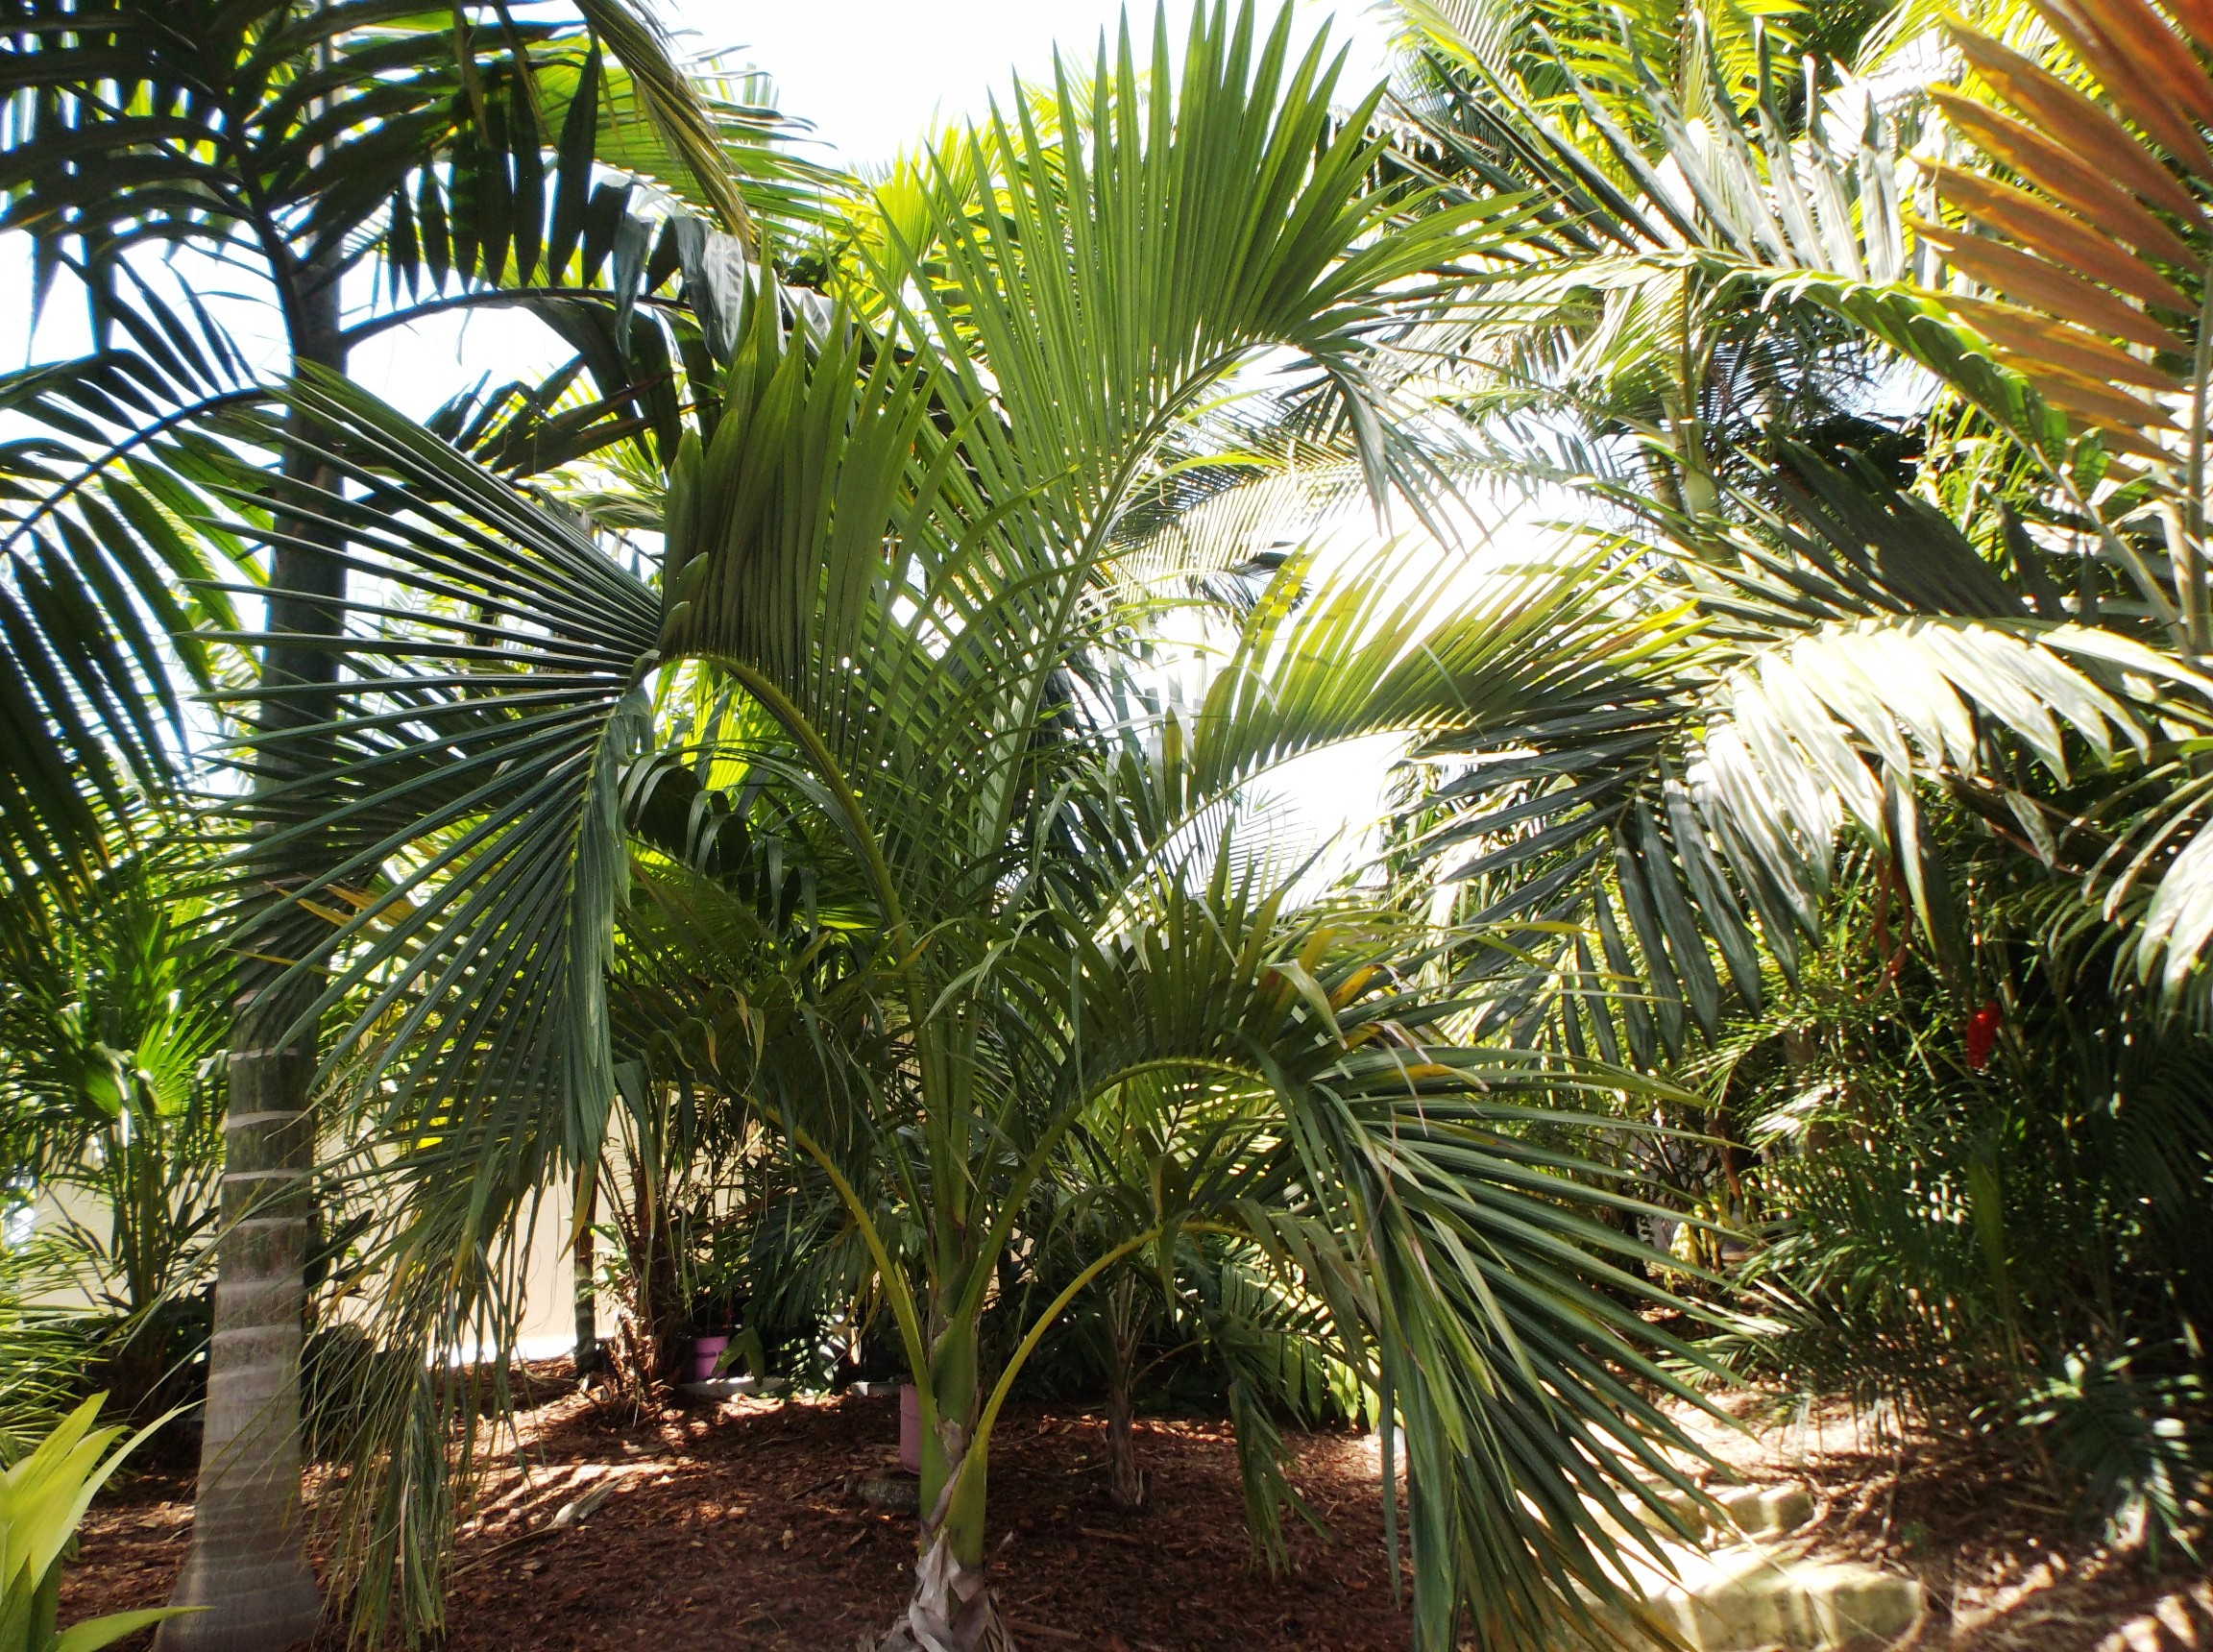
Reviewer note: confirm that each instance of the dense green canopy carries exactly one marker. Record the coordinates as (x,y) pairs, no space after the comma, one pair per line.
(808,772)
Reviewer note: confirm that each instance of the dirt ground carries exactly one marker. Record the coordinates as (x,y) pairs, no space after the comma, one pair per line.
(741,1526)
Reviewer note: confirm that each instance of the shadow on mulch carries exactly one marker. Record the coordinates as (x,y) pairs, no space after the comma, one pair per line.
(740,1528)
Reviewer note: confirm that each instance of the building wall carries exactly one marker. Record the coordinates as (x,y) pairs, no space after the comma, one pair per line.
(549,1320)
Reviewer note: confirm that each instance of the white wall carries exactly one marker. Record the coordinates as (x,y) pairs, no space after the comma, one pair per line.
(549,1320)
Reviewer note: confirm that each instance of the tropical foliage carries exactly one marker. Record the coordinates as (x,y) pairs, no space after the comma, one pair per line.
(111,1022)
(808,770)
(1955,644)
(41,1499)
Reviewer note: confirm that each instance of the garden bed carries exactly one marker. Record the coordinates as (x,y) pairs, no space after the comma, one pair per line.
(742,1526)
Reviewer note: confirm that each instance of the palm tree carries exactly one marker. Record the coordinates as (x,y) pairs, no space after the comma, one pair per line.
(303,142)
(1845,630)
(900,582)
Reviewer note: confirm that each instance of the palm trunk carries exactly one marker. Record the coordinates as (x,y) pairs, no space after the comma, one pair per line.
(581,1267)
(951,1608)
(247,1566)
(1125,1479)
(660,1313)
(135,1369)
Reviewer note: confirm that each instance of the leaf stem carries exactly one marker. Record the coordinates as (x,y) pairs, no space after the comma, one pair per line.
(903,1307)
(1037,1333)
(798,725)
(2191,575)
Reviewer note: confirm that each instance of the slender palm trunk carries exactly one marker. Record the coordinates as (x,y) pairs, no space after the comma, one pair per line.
(247,1566)
(135,1369)
(582,1265)
(951,1608)
(661,1311)
(1125,1479)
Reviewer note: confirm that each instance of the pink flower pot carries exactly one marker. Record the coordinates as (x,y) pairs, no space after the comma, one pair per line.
(706,1355)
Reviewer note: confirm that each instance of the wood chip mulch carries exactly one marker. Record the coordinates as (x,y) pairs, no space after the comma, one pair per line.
(742,1526)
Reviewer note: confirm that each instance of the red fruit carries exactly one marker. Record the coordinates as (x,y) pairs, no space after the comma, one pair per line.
(1982,1035)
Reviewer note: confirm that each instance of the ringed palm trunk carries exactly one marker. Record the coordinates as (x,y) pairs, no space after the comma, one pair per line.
(248,1566)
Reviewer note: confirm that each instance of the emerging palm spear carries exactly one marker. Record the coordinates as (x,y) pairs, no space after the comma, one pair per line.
(895,581)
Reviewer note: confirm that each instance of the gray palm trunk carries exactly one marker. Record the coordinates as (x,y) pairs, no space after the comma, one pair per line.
(248,1566)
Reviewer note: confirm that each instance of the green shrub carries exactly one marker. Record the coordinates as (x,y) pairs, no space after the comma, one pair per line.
(42,1498)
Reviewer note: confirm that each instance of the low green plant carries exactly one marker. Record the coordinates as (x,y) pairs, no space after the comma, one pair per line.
(42,1498)
(1982,1183)
(2129,1442)
(111,1015)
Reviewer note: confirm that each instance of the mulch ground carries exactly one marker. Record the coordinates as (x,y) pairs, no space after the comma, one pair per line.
(740,1528)
(743,1528)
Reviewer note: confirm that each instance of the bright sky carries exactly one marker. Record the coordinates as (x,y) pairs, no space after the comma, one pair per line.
(872,74)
